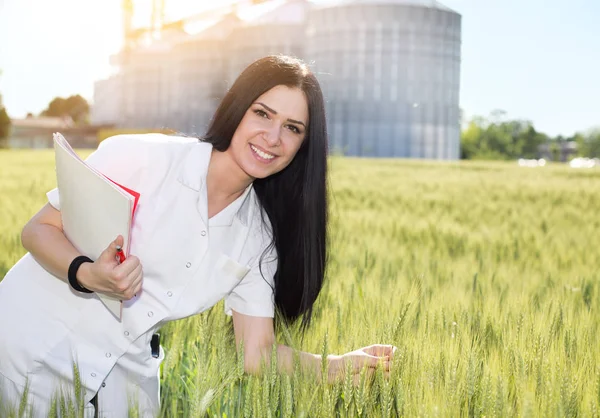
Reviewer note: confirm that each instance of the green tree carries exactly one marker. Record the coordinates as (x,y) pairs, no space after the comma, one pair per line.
(75,107)
(500,138)
(589,144)
(4,123)
(470,140)
(4,127)
(530,141)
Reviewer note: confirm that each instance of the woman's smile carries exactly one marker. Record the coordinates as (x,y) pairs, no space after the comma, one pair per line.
(262,155)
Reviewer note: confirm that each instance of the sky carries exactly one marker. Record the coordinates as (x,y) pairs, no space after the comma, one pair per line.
(535,59)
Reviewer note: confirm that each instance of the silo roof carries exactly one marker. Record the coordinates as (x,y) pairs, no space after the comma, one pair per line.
(433,4)
(277,12)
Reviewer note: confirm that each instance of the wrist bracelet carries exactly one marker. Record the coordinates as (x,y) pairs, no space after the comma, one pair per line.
(72,274)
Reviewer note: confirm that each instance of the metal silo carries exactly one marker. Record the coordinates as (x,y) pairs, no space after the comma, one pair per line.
(280,29)
(201,62)
(390,72)
(146,81)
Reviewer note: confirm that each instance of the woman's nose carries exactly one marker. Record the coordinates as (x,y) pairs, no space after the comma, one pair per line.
(271,136)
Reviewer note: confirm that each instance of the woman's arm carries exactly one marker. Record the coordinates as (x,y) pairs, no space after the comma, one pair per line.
(44,238)
(258,336)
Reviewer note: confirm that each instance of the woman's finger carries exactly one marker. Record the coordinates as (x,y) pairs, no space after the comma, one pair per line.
(385,364)
(370,372)
(135,274)
(369,362)
(379,350)
(137,284)
(137,289)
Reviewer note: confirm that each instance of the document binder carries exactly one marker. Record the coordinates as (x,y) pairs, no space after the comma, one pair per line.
(94,208)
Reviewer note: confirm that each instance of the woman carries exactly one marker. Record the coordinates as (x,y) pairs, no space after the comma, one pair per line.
(239,215)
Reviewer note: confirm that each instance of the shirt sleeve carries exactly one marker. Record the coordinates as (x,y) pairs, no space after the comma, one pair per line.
(54,198)
(254,295)
(122,158)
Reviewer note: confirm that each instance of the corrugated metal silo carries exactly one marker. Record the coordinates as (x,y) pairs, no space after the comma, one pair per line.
(390,70)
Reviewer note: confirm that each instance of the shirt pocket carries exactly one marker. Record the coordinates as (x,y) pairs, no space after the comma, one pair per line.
(217,276)
(226,274)
(229,269)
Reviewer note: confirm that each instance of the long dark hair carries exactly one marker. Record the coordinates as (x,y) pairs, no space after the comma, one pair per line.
(294,199)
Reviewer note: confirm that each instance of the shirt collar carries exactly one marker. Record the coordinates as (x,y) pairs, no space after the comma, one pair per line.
(195,165)
(193,175)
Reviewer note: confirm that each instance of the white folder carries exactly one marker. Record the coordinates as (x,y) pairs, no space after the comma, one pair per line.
(94,210)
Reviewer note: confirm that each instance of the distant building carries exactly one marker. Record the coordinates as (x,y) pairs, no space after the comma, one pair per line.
(108,101)
(201,81)
(562,151)
(37,133)
(389,70)
(147,83)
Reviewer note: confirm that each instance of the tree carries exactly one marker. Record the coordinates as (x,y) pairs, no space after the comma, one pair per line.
(500,138)
(76,107)
(589,144)
(4,124)
(530,141)
(470,139)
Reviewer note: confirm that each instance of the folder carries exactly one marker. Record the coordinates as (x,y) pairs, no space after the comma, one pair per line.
(94,208)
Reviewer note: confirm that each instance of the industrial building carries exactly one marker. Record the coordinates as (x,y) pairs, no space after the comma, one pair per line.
(389,69)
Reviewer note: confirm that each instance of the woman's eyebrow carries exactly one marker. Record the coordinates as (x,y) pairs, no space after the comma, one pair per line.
(275,112)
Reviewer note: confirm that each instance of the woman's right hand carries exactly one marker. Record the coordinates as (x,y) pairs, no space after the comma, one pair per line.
(107,276)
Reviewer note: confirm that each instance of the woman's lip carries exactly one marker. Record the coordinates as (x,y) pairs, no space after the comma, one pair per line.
(266,152)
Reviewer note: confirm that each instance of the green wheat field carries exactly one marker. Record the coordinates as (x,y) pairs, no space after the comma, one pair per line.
(484,275)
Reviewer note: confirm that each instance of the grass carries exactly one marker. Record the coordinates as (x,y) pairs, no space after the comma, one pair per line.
(484,275)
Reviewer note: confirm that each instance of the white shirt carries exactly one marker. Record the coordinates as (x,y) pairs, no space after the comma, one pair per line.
(189,262)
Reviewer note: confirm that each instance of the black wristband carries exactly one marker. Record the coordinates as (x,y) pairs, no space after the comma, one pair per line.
(72,274)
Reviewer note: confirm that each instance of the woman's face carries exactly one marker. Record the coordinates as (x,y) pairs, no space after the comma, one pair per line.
(271,132)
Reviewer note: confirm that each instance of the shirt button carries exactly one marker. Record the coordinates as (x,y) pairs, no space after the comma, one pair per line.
(188,265)
(103,384)
(126,333)
(93,374)
(203,233)
(108,355)
(150,314)
(169,294)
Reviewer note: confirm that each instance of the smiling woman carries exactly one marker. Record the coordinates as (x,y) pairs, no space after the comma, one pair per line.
(244,213)
(271,137)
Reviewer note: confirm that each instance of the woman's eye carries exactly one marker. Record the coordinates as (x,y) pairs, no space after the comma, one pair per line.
(261,113)
(294,129)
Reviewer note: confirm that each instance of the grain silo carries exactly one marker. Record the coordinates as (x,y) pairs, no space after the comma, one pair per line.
(279,27)
(201,61)
(390,71)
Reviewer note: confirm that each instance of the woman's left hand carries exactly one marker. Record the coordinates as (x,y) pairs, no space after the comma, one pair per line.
(368,357)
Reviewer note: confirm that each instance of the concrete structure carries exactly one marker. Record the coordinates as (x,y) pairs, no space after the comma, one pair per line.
(389,69)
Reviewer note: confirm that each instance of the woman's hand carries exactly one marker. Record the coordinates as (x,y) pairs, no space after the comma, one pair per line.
(368,357)
(107,276)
